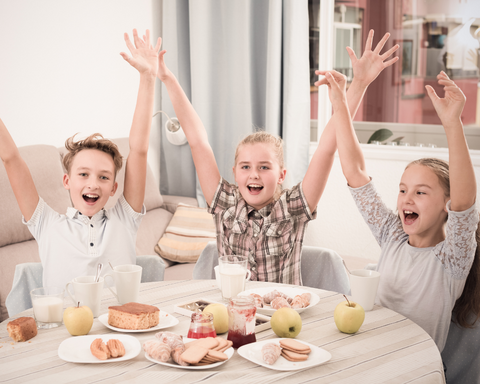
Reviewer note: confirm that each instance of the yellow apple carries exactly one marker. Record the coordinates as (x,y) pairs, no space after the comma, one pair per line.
(349,316)
(78,320)
(286,322)
(220,317)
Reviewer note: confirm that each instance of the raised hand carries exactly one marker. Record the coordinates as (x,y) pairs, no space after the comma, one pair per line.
(163,72)
(372,63)
(449,108)
(336,83)
(144,56)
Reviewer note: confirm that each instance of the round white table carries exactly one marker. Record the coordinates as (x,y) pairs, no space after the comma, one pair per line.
(387,348)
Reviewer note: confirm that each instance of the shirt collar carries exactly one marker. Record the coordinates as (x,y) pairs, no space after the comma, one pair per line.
(73,213)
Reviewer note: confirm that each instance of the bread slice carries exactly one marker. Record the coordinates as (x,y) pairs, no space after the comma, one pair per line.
(133,316)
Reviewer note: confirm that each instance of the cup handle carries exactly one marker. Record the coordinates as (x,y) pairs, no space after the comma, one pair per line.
(69,294)
(248,275)
(111,290)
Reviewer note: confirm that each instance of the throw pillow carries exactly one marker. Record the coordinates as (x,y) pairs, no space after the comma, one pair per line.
(187,234)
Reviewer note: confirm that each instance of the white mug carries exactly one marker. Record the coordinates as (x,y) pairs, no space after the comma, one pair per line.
(364,284)
(127,280)
(233,275)
(87,292)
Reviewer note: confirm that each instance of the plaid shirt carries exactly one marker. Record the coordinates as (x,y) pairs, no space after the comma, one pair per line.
(271,238)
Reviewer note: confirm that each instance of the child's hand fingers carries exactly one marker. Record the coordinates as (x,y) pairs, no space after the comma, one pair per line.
(431,93)
(321,82)
(147,38)
(351,54)
(381,43)
(130,46)
(390,62)
(390,52)
(368,44)
(159,44)
(125,57)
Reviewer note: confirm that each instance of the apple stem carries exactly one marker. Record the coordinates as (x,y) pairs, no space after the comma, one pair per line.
(347,301)
(78,305)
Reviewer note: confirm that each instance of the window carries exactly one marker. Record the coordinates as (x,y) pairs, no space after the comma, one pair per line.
(433,36)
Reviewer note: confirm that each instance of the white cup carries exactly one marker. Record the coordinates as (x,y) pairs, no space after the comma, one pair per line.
(233,275)
(127,280)
(87,292)
(364,284)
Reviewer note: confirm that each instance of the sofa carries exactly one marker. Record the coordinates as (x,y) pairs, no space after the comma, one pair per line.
(44,161)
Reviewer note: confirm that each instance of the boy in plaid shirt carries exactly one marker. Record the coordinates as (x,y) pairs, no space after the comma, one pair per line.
(257,219)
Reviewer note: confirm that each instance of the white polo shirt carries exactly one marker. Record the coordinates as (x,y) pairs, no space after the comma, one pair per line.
(72,245)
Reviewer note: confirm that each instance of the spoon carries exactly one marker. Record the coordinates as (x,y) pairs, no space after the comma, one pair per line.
(111,266)
(99,269)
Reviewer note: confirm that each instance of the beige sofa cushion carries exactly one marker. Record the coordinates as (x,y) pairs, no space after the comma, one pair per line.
(44,164)
(187,234)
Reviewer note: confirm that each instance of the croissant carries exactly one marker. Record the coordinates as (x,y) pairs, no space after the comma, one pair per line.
(280,302)
(267,298)
(270,353)
(173,340)
(258,300)
(176,356)
(116,348)
(301,301)
(157,350)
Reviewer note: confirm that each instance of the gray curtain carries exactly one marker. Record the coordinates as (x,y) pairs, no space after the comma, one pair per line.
(244,65)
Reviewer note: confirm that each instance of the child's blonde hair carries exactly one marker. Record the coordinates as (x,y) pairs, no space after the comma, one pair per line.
(262,137)
(469,302)
(94,141)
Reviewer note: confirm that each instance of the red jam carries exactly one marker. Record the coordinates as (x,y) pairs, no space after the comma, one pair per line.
(201,326)
(201,332)
(241,320)
(239,339)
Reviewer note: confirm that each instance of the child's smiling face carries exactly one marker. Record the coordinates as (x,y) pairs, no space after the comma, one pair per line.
(257,174)
(91,181)
(421,206)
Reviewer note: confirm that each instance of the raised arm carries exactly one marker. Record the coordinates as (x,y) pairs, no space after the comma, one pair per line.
(144,59)
(365,71)
(18,174)
(463,186)
(202,153)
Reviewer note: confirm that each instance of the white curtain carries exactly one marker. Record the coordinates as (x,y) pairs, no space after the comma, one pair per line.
(244,65)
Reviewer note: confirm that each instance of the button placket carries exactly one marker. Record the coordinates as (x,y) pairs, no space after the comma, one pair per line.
(91,239)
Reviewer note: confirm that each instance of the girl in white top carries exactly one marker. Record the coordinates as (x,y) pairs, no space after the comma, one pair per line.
(428,247)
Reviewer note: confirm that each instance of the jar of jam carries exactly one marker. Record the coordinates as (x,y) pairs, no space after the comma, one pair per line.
(201,325)
(241,320)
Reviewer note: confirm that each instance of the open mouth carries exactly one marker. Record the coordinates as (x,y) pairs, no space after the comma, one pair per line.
(254,188)
(90,198)
(409,217)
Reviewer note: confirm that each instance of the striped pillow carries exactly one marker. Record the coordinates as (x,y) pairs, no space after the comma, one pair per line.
(189,231)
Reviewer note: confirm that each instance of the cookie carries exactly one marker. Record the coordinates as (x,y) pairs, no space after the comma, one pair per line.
(194,354)
(217,355)
(295,346)
(222,343)
(293,356)
(207,342)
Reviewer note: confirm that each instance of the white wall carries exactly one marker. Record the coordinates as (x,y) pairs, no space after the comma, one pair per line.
(339,225)
(61,72)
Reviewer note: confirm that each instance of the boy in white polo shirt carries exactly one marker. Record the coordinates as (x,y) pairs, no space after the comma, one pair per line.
(73,244)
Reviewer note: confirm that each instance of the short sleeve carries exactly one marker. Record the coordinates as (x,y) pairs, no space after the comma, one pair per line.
(225,197)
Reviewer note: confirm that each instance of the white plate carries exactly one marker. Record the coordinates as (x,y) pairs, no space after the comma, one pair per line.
(228,352)
(291,292)
(253,352)
(166,321)
(77,349)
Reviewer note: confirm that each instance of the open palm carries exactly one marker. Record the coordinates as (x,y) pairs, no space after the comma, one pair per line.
(144,56)
(372,63)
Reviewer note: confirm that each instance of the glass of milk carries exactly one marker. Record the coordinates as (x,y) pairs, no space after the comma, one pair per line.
(47,306)
(233,275)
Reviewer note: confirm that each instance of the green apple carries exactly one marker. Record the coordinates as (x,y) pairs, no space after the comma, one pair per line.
(286,322)
(78,320)
(349,316)
(220,317)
